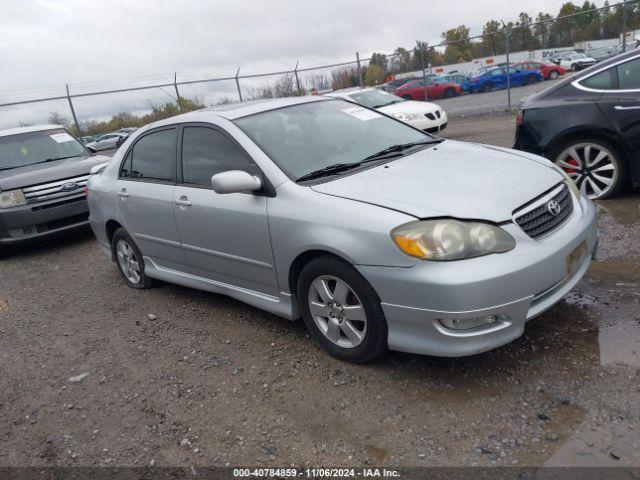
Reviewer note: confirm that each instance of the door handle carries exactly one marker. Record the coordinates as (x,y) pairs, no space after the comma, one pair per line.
(123,193)
(183,201)
(622,107)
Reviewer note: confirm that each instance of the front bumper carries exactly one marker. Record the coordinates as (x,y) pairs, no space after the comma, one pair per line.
(434,125)
(514,286)
(32,221)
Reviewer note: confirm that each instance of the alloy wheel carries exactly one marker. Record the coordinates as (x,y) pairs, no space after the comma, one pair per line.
(553,75)
(591,166)
(128,261)
(337,311)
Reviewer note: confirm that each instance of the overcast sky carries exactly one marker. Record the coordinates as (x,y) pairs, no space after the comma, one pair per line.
(51,42)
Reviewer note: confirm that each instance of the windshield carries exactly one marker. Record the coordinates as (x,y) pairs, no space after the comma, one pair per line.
(37,147)
(304,138)
(375,98)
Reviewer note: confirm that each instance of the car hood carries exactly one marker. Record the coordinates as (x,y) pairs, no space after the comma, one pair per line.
(48,172)
(452,179)
(409,107)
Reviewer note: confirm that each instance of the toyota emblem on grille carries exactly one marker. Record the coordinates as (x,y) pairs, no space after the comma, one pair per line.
(69,187)
(554,208)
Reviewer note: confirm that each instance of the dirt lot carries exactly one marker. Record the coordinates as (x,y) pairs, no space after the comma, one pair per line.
(211,381)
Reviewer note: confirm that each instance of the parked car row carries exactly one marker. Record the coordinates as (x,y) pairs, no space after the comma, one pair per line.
(485,80)
(107,141)
(379,235)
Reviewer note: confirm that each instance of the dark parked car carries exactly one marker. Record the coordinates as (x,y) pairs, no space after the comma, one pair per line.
(43,173)
(588,124)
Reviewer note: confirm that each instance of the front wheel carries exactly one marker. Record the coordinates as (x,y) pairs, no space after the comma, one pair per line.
(596,167)
(341,310)
(449,93)
(575,67)
(554,75)
(487,87)
(129,260)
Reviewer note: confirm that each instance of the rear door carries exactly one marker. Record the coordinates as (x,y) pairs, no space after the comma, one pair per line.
(145,191)
(620,103)
(225,237)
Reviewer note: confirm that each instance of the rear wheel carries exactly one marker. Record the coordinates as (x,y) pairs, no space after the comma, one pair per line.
(129,260)
(449,92)
(487,87)
(574,67)
(341,310)
(554,74)
(596,167)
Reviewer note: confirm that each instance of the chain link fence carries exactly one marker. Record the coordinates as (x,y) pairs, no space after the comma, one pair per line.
(92,108)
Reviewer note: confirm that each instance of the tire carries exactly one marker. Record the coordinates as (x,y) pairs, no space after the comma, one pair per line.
(531,79)
(487,87)
(340,319)
(139,280)
(407,96)
(554,74)
(575,67)
(602,178)
(449,93)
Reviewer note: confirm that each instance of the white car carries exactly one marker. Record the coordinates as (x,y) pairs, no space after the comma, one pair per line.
(422,115)
(107,142)
(577,62)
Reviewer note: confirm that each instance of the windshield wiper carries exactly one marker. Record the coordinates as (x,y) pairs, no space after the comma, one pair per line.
(53,159)
(330,170)
(399,148)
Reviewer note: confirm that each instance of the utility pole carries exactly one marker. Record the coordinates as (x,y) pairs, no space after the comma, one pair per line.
(175,85)
(359,69)
(507,32)
(238,85)
(73,112)
(624,26)
(295,72)
(423,66)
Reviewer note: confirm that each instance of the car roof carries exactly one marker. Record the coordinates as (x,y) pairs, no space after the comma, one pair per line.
(233,111)
(33,128)
(347,91)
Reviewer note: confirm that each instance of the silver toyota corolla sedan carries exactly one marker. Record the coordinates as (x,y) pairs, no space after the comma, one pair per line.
(377,234)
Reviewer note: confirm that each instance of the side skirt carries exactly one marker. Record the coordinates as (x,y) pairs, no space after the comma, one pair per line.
(281,306)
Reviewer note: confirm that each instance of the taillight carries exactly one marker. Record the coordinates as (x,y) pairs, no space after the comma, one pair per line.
(520,117)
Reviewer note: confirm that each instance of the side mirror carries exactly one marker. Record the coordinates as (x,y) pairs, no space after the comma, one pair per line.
(98,168)
(235,181)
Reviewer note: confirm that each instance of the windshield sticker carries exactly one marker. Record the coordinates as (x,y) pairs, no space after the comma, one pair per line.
(62,137)
(361,113)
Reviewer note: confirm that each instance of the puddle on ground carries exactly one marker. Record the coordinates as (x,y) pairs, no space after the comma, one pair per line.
(620,344)
(624,211)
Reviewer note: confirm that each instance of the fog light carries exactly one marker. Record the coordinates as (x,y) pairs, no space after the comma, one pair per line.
(468,323)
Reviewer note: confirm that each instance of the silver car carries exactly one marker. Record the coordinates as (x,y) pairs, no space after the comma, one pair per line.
(377,234)
(107,142)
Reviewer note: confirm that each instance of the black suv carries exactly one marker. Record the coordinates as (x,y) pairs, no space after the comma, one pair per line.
(43,173)
(589,125)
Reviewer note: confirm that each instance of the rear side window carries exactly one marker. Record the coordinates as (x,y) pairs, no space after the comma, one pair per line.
(606,80)
(152,157)
(206,152)
(629,75)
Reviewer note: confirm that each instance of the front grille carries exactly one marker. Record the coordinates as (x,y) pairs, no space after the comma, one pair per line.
(53,190)
(539,220)
(430,116)
(438,113)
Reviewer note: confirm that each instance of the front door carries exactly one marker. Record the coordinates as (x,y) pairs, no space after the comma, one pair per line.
(145,192)
(225,237)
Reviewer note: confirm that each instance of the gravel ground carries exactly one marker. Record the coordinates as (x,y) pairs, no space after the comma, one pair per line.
(93,373)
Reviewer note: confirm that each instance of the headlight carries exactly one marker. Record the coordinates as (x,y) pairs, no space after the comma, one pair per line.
(399,116)
(448,239)
(12,198)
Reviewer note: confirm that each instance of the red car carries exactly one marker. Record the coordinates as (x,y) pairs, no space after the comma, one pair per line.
(415,90)
(548,70)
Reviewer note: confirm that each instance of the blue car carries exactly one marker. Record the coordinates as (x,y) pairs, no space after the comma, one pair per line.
(496,78)
(458,78)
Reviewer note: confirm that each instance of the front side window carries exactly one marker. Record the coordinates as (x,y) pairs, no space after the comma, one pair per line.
(629,75)
(205,152)
(304,138)
(38,147)
(153,156)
